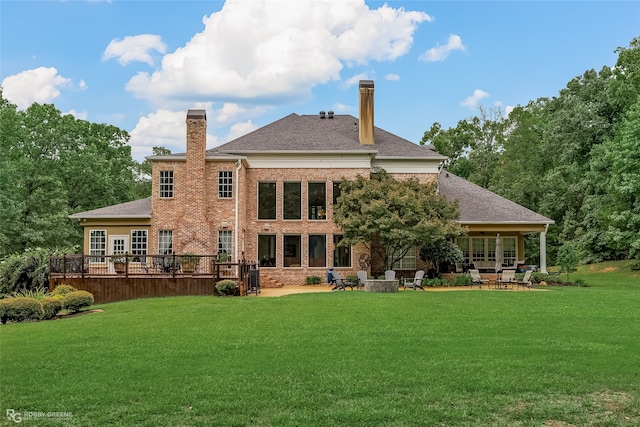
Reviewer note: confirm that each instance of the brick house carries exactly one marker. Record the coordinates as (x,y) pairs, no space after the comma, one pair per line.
(267,196)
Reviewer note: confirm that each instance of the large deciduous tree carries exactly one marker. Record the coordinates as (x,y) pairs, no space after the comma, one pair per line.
(392,216)
(53,165)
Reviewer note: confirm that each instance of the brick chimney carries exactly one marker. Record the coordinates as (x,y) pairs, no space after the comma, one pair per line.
(366,112)
(193,229)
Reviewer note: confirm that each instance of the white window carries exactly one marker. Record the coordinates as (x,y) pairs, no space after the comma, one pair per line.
(166,184)
(165,242)
(509,250)
(97,245)
(477,244)
(407,262)
(225,245)
(225,184)
(463,244)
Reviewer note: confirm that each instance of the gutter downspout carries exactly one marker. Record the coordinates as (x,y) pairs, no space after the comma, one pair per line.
(235,225)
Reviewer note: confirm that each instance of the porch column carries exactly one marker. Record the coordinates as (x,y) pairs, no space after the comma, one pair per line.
(543,250)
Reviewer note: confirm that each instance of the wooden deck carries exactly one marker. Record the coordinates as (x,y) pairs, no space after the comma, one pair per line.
(138,281)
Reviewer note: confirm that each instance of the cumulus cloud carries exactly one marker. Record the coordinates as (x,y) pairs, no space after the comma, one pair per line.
(167,128)
(134,49)
(440,53)
(266,49)
(80,115)
(474,100)
(239,129)
(392,77)
(39,85)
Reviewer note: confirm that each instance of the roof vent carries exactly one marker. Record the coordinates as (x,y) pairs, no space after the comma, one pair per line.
(330,113)
(322,114)
(355,126)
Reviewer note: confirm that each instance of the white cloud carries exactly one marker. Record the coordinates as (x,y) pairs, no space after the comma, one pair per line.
(354,80)
(239,129)
(392,77)
(134,48)
(440,53)
(266,49)
(508,109)
(473,100)
(341,108)
(80,115)
(39,85)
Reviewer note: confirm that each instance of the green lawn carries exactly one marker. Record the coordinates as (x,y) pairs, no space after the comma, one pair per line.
(559,357)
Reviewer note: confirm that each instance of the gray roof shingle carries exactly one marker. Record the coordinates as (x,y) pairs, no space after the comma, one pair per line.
(136,209)
(308,133)
(479,205)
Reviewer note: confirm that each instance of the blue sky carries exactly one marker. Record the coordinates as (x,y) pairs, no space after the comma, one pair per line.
(140,65)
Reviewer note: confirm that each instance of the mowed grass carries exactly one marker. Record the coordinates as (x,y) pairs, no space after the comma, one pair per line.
(558,357)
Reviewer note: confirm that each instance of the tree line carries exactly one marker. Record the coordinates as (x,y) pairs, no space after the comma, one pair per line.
(574,158)
(54,165)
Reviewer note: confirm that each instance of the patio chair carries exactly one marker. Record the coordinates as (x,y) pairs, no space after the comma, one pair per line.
(508,278)
(476,279)
(389,275)
(526,280)
(362,276)
(340,284)
(414,283)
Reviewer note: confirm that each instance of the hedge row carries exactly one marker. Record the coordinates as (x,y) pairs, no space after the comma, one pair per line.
(23,308)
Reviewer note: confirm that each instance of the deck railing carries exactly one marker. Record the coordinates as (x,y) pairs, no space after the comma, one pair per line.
(126,265)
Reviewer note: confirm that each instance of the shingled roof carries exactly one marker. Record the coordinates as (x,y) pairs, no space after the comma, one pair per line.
(479,205)
(136,209)
(310,133)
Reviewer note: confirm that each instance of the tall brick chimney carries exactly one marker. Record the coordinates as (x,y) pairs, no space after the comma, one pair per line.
(366,112)
(194,229)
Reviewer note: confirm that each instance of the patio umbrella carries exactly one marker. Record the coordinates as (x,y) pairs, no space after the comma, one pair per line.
(498,267)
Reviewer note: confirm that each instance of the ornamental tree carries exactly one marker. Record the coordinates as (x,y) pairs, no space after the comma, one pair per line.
(392,216)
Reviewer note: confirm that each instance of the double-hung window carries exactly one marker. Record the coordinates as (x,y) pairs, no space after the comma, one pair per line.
(165,242)
(225,245)
(407,262)
(225,184)
(139,244)
(166,184)
(97,245)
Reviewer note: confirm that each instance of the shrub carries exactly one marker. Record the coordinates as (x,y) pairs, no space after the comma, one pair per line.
(353,278)
(226,287)
(581,283)
(38,293)
(63,289)
(24,270)
(434,283)
(3,310)
(20,309)
(550,279)
(634,264)
(51,307)
(462,280)
(313,280)
(76,301)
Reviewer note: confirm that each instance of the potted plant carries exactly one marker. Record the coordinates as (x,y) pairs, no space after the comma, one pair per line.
(119,263)
(188,262)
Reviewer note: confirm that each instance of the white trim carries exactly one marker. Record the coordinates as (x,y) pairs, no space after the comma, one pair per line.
(419,166)
(313,161)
